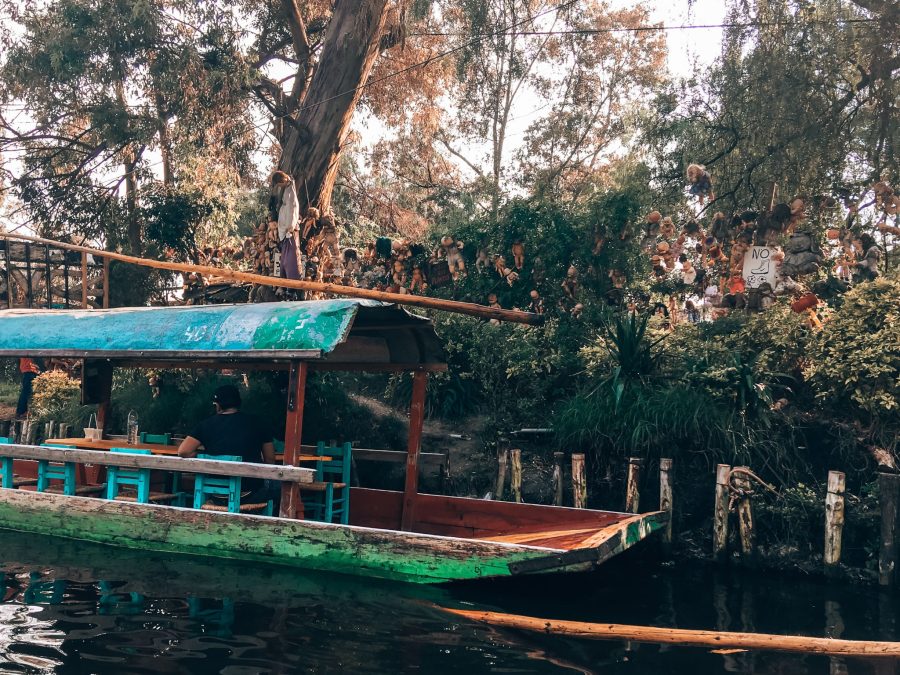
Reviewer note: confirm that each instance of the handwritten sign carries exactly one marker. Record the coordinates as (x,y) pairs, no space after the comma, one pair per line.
(759,267)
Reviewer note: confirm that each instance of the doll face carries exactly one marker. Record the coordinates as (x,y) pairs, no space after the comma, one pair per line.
(667,228)
(654,217)
(492,299)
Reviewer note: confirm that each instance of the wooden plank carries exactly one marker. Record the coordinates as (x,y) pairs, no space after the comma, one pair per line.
(106,282)
(337,548)
(291,504)
(244,469)
(681,636)
(416,422)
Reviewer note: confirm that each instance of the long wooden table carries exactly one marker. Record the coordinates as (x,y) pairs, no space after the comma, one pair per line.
(155,448)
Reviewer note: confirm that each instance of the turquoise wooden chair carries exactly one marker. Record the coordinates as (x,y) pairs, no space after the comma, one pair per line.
(7,478)
(64,472)
(161,439)
(111,602)
(229,487)
(138,479)
(330,501)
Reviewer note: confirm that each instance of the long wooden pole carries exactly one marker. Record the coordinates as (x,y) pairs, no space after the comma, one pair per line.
(679,636)
(469,308)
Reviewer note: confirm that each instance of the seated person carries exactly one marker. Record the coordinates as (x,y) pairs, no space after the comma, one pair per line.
(231,432)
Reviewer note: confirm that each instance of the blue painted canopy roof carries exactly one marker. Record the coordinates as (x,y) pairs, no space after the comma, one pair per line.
(343,330)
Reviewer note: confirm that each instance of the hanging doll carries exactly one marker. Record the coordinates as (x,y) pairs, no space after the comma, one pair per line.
(570,283)
(482,260)
(536,304)
(688,273)
(398,276)
(700,183)
(667,228)
(518,252)
(493,303)
(868,266)
(719,227)
(499,265)
(454,259)
(284,201)
(418,285)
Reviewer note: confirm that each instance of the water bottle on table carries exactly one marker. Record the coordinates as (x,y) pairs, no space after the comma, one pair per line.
(133,433)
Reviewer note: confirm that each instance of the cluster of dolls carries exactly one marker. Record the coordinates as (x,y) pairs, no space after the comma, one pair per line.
(706,261)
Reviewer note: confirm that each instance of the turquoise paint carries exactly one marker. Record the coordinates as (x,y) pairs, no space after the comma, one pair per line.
(243,327)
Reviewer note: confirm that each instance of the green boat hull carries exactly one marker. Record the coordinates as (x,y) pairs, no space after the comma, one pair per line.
(387,554)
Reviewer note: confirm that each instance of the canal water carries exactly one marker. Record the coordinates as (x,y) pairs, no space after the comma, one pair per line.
(69,607)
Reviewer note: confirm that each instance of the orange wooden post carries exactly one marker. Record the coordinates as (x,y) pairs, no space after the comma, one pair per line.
(291,503)
(84,281)
(416,420)
(105,282)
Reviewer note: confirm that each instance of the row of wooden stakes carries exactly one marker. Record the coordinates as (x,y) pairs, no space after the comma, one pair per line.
(733,492)
(733,487)
(510,461)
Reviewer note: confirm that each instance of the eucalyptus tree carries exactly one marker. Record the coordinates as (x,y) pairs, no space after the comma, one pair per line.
(804,95)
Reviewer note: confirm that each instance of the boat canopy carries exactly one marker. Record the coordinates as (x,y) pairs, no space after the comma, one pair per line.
(333,333)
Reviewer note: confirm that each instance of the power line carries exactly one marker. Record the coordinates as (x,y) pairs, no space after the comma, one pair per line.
(642,29)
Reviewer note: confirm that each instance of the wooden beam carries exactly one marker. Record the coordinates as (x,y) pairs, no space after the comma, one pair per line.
(291,504)
(289,474)
(469,308)
(416,421)
(680,636)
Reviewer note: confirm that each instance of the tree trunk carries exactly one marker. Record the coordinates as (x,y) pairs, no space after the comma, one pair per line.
(313,141)
(129,164)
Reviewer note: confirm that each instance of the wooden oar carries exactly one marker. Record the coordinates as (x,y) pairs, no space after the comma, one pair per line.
(688,638)
(470,308)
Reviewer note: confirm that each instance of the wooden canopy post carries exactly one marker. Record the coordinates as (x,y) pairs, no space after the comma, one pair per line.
(105,282)
(291,504)
(416,421)
(84,280)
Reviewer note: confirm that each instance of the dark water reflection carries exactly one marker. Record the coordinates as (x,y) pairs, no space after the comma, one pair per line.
(76,608)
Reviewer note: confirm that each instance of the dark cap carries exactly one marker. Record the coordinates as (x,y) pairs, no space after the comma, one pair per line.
(228,396)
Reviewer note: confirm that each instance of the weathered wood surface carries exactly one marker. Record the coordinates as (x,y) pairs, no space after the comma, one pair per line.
(689,638)
(291,474)
(557,479)
(291,504)
(502,462)
(834,518)
(515,477)
(746,526)
(338,548)
(413,445)
(720,515)
(455,306)
(666,499)
(579,483)
(633,485)
(889,496)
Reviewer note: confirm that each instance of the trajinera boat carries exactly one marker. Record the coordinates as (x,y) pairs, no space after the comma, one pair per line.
(402,535)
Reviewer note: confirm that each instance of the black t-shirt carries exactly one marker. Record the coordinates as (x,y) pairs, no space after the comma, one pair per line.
(234,434)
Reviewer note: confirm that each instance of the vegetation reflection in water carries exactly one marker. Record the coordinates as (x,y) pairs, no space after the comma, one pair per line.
(73,607)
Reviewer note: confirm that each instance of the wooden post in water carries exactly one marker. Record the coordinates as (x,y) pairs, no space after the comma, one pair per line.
(502,462)
(557,479)
(834,520)
(720,519)
(665,500)
(633,485)
(746,527)
(579,484)
(889,490)
(63,430)
(515,456)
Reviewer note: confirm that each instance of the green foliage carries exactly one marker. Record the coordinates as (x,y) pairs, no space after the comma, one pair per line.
(854,361)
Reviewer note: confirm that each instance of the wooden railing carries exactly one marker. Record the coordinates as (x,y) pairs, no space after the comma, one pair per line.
(289,474)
